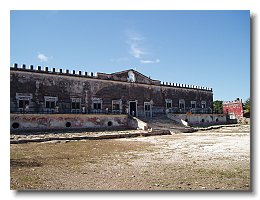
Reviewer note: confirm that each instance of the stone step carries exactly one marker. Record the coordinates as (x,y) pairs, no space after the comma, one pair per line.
(164,123)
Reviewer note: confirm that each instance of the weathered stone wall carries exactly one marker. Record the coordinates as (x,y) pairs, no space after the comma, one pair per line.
(67,86)
(67,121)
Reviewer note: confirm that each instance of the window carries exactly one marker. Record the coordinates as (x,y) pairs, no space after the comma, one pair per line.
(75,103)
(97,103)
(147,107)
(181,103)
(193,104)
(168,103)
(116,105)
(50,102)
(23,101)
(203,104)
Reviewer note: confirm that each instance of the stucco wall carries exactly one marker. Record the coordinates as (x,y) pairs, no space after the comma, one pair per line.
(234,109)
(199,119)
(59,121)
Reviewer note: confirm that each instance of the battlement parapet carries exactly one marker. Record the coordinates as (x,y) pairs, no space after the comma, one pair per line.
(185,86)
(53,70)
(98,75)
(232,102)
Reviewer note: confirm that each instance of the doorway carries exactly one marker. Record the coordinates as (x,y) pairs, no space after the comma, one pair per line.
(132,108)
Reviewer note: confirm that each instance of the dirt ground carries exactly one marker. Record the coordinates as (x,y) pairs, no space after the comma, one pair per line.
(212,160)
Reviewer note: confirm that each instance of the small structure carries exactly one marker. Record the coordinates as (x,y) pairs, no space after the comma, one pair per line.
(233,109)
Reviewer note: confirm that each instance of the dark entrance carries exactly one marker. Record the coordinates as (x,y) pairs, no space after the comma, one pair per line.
(132,106)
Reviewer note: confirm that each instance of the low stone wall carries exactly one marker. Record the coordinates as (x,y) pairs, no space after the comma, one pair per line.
(199,119)
(67,121)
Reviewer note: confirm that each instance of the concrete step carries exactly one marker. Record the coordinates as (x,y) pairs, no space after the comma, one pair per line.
(164,123)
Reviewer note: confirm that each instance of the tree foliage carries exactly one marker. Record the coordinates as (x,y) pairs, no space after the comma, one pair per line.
(247,105)
(217,107)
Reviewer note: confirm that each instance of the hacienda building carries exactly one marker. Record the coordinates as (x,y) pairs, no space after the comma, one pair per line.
(45,90)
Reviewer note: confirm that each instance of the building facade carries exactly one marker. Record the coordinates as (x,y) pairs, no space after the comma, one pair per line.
(45,90)
(234,109)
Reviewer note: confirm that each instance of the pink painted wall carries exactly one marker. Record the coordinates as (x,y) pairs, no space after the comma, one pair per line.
(59,121)
(234,107)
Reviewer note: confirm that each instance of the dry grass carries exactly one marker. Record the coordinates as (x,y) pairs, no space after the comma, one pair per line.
(177,162)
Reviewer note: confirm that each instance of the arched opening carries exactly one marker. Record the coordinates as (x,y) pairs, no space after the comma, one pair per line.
(109,123)
(15,125)
(68,124)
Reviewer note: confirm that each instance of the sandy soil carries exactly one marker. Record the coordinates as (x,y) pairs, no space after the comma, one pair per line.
(212,160)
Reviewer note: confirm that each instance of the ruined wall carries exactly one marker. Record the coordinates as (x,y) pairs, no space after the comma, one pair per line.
(68,86)
(66,121)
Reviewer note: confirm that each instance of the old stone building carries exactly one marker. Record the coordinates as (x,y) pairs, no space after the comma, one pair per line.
(45,90)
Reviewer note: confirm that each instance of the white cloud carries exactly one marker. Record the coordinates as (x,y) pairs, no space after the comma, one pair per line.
(134,41)
(136,51)
(136,47)
(150,61)
(42,57)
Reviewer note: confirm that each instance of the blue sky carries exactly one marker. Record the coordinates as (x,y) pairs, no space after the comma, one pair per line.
(204,48)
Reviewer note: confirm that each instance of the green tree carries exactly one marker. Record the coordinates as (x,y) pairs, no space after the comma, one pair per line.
(247,105)
(217,107)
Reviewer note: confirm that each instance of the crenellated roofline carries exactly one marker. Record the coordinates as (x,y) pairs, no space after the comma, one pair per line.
(99,75)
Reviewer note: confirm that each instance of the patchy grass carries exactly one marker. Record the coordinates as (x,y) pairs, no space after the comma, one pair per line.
(126,164)
(48,156)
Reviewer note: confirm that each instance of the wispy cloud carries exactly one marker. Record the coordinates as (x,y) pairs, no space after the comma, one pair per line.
(134,40)
(150,61)
(42,57)
(137,48)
